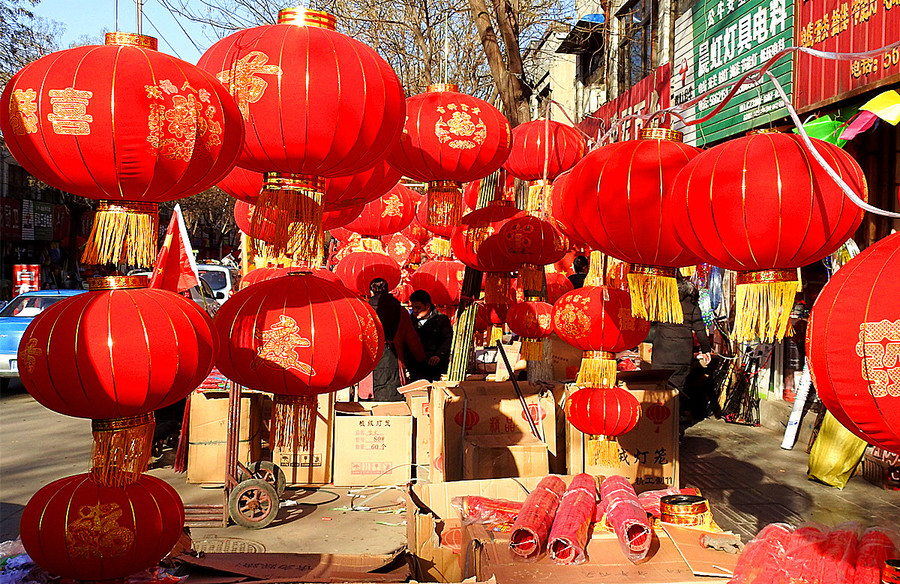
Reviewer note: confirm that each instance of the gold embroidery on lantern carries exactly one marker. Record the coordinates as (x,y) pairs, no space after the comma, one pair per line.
(392,207)
(879,346)
(97,533)
(626,319)
(572,318)
(544,321)
(369,336)
(280,344)
(22,110)
(31,352)
(70,115)
(460,132)
(242,81)
(175,131)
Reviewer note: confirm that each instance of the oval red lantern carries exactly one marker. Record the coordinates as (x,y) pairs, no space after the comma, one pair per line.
(603,413)
(180,134)
(532,321)
(765,223)
(357,269)
(442,279)
(77,529)
(476,228)
(302,115)
(360,188)
(557,285)
(450,138)
(390,213)
(852,345)
(532,243)
(270,272)
(242,184)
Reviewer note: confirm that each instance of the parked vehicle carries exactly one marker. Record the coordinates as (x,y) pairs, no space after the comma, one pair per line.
(222,279)
(203,294)
(15,318)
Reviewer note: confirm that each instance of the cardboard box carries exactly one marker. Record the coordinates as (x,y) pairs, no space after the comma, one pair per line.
(372,450)
(648,455)
(880,471)
(208,421)
(311,466)
(283,567)
(491,408)
(490,457)
(564,358)
(418,402)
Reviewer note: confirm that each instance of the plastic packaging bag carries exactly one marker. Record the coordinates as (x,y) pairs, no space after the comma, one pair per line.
(626,517)
(837,564)
(495,514)
(802,555)
(569,534)
(532,526)
(760,561)
(875,547)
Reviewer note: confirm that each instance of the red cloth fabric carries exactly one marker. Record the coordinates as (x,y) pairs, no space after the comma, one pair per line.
(837,563)
(875,548)
(762,557)
(626,517)
(175,269)
(533,525)
(569,534)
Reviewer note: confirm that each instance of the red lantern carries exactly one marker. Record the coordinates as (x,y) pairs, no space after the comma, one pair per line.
(497,315)
(563,208)
(598,320)
(442,279)
(261,228)
(533,243)
(852,344)
(450,138)
(557,285)
(360,188)
(466,241)
(64,121)
(391,213)
(78,529)
(504,190)
(619,191)
(335,219)
(357,269)
(603,413)
(302,88)
(297,336)
(762,206)
(531,320)
(242,184)
(268,273)
(76,360)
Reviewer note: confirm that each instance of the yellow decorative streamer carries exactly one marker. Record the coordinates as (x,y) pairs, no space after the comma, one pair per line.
(654,296)
(763,311)
(532,349)
(123,233)
(121,449)
(496,334)
(598,369)
(603,451)
(444,203)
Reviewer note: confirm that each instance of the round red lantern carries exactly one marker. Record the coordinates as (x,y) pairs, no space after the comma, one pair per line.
(603,413)
(357,269)
(619,190)
(297,336)
(532,321)
(338,218)
(564,211)
(497,317)
(852,344)
(242,184)
(557,285)
(442,279)
(261,228)
(450,138)
(302,88)
(76,360)
(78,529)
(64,121)
(762,206)
(269,272)
(532,243)
(390,213)
(360,188)
(598,320)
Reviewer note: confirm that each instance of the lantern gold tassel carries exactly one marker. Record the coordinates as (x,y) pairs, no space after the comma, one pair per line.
(294,421)
(654,294)
(595,275)
(121,449)
(444,203)
(123,232)
(496,335)
(763,305)
(291,208)
(441,248)
(531,278)
(496,288)
(598,369)
(538,194)
(603,451)
(532,349)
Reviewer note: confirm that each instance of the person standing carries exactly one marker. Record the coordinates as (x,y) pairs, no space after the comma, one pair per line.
(401,343)
(580,264)
(436,334)
(673,345)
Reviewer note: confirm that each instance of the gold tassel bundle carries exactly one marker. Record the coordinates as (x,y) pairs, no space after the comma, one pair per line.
(598,369)
(496,288)
(294,421)
(595,275)
(763,305)
(496,334)
(445,205)
(290,208)
(123,232)
(538,197)
(440,247)
(531,278)
(532,349)
(654,294)
(121,450)
(603,451)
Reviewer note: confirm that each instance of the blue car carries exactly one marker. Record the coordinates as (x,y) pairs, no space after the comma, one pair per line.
(15,318)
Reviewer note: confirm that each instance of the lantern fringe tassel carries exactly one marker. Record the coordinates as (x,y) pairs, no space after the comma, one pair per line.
(655,297)
(603,451)
(297,229)
(538,195)
(532,349)
(595,275)
(763,311)
(121,450)
(444,204)
(598,369)
(496,335)
(441,248)
(294,421)
(688,271)
(531,278)
(123,233)
(496,288)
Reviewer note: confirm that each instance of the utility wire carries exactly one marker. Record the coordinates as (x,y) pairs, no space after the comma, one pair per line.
(161,36)
(178,22)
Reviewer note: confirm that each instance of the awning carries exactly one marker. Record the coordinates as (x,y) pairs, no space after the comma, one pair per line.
(577,41)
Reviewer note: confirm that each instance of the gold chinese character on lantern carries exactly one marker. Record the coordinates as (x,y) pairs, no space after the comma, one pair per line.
(393,207)
(96,533)
(461,131)
(280,344)
(70,111)
(22,108)
(175,131)
(879,347)
(243,82)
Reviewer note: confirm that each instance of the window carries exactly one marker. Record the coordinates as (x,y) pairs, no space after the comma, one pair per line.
(637,26)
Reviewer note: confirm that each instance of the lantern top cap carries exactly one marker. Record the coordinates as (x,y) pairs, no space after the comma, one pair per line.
(117,283)
(130,39)
(436,87)
(660,134)
(763,131)
(299,16)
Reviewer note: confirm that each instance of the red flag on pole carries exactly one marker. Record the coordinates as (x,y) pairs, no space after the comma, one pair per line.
(175,268)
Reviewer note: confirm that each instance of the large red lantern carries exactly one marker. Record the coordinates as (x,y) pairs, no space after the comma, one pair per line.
(557,285)
(853,344)
(603,413)
(75,359)
(450,138)
(316,104)
(619,190)
(390,213)
(475,229)
(532,242)
(762,206)
(598,320)
(269,272)
(360,188)
(565,212)
(532,321)
(358,268)
(242,184)
(65,121)
(78,529)
(442,279)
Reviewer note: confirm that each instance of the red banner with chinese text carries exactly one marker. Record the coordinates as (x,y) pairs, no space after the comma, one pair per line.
(650,94)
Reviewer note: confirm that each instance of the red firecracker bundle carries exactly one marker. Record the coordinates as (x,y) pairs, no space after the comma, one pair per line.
(802,552)
(496,514)
(762,556)
(532,527)
(626,517)
(569,535)
(875,548)
(837,563)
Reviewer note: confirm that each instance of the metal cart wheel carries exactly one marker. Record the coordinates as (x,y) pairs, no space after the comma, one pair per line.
(253,504)
(267,471)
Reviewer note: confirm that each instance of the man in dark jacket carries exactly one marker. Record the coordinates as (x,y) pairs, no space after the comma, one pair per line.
(673,345)
(436,334)
(401,343)
(580,264)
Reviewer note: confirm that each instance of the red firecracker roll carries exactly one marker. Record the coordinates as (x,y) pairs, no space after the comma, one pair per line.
(532,527)
(837,562)
(875,548)
(797,566)
(626,516)
(496,513)
(568,537)
(650,500)
(762,557)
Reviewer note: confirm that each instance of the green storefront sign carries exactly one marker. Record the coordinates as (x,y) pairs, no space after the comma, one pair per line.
(732,37)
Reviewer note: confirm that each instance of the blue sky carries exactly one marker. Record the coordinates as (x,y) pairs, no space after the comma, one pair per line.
(90,16)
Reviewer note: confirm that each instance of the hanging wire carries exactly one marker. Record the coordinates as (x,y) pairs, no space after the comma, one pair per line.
(116,12)
(161,36)
(178,22)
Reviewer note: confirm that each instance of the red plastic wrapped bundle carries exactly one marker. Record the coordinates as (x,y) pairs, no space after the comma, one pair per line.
(569,535)
(762,557)
(650,500)
(626,517)
(802,552)
(498,514)
(532,527)
(837,562)
(875,548)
